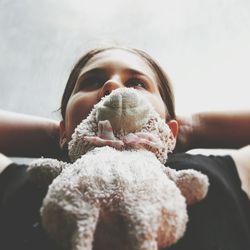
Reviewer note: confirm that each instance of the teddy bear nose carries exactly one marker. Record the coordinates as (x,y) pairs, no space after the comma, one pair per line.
(123,98)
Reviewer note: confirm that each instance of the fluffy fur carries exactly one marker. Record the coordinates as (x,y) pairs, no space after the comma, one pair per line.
(120,196)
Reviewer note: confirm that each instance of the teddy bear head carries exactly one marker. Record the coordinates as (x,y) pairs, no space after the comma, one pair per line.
(128,112)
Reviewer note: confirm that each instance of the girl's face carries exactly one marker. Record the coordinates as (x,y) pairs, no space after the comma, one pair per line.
(102,74)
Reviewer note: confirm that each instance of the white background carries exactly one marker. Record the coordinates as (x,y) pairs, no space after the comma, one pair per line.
(204,45)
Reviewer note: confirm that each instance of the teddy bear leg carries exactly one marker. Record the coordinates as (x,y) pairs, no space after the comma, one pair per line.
(193,184)
(71,224)
(83,237)
(142,226)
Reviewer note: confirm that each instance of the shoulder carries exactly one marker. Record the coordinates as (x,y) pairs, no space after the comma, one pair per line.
(12,178)
(222,219)
(234,164)
(4,162)
(20,202)
(222,171)
(241,158)
(200,162)
(17,188)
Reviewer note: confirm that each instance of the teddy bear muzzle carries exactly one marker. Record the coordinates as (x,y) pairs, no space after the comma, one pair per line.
(121,108)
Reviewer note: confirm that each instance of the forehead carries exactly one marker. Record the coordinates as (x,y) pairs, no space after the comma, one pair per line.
(118,59)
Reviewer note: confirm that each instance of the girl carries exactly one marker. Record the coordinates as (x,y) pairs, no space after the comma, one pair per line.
(221,221)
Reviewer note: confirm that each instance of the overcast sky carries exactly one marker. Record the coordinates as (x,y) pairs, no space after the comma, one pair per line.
(204,45)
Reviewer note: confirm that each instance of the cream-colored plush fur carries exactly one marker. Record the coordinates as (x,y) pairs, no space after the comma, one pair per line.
(117,194)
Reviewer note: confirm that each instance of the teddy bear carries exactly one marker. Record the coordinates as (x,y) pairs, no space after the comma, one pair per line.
(116,192)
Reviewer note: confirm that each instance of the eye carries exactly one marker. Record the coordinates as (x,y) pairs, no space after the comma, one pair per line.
(91,83)
(135,83)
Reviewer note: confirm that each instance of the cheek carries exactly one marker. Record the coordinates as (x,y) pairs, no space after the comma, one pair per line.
(78,108)
(159,105)
(160,108)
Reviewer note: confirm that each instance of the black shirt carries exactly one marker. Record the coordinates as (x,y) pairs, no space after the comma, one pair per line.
(220,222)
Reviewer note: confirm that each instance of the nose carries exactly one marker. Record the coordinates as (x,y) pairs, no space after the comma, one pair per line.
(110,85)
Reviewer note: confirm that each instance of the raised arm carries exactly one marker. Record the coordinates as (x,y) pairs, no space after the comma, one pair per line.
(220,130)
(214,130)
(28,136)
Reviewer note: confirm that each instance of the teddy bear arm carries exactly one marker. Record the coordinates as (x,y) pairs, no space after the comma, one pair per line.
(43,171)
(192,184)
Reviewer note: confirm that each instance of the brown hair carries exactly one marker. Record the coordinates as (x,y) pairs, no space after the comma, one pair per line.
(164,85)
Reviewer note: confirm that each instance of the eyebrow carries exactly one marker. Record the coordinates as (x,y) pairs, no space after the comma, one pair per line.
(102,71)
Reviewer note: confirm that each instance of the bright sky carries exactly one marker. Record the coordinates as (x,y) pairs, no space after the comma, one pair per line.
(203,44)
